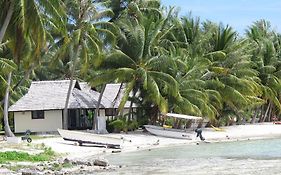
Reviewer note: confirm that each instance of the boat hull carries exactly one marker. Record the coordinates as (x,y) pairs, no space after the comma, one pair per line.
(169,132)
(90,138)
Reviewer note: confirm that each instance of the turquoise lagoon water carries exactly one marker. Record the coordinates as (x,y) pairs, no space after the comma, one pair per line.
(243,157)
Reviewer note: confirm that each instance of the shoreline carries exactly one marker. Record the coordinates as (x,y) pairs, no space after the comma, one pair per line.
(83,156)
(143,140)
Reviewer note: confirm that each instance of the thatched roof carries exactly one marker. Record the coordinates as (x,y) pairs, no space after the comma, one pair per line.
(49,95)
(105,102)
(115,92)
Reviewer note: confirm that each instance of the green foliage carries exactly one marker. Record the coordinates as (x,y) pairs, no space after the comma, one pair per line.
(117,125)
(47,154)
(169,121)
(132,125)
(121,124)
(182,65)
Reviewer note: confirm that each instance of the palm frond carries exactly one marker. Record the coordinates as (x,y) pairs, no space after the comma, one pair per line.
(128,89)
(166,79)
(7,65)
(118,59)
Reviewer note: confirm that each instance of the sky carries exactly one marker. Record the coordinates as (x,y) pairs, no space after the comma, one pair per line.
(239,14)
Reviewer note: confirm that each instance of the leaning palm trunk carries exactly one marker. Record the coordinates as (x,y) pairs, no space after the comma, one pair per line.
(8,131)
(254,116)
(72,70)
(65,110)
(130,116)
(266,112)
(7,20)
(261,114)
(270,113)
(95,124)
(131,107)
(119,113)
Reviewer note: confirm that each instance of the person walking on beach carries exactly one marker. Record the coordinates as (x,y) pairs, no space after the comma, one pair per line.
(199,134)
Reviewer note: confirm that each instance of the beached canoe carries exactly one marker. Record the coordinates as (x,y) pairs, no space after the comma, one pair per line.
(91,138)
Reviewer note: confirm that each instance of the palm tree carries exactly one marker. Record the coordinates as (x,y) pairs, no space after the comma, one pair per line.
(265,56)
(25,23)
(138,59)
(234,76)
(6,66)
(80,47)
(190,62)
(218,71)
(117,7)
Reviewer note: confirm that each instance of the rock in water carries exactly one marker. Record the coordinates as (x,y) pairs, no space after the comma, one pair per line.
(101,162)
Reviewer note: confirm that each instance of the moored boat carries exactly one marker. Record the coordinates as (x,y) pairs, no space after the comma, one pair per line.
(169,132)
(166,131)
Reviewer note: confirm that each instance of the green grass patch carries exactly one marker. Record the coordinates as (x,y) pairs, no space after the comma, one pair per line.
(46,155)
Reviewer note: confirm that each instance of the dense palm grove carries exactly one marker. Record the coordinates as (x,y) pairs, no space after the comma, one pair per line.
(168,62)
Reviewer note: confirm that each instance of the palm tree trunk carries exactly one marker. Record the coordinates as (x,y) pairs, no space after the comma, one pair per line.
(130,117)
(72,70)
(7,20)
(266,112)
(117,96)
(131,106)
(8,131)
(65,110)
(254,116)
(95,124)
(268,116)
(261,114)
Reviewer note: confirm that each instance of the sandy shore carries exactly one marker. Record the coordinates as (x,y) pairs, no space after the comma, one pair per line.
(139,140)
(142,140)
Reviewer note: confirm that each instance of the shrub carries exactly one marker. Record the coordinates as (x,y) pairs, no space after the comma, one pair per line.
(109,126)
(118,125)
(132,125)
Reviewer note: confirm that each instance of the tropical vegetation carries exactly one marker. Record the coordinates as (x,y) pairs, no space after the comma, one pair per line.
(166,61)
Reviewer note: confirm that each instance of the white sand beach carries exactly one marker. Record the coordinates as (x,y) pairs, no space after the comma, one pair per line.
(143,140)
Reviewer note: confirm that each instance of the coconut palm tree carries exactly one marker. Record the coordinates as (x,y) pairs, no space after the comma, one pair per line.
(117,7)
(190,62)
(266,57)
(6,66)
(137,59)
(23,22)
(82,45)
(233,76)
(218,68)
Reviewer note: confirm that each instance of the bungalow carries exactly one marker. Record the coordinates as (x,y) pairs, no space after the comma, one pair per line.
(41,109)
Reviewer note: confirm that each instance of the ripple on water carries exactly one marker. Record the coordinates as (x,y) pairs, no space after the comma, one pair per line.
(248,157)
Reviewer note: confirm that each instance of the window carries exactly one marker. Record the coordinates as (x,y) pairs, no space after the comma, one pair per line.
(37,115)
(110,112)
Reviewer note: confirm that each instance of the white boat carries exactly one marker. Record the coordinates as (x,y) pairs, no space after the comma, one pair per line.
(91,138)
(163,131)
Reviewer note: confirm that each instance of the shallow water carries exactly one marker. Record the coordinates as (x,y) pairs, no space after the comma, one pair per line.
(243,157)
